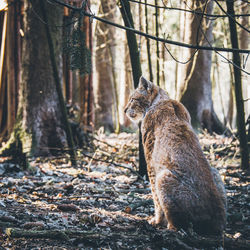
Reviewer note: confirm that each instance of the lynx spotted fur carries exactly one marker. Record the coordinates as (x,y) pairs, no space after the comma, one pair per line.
(186,191)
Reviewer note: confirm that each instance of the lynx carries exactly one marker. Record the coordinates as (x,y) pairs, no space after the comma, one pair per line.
(186,191)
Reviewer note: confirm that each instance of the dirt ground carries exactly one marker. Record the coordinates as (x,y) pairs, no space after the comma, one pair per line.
(103,203)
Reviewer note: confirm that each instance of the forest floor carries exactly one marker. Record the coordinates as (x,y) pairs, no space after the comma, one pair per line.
(104,204)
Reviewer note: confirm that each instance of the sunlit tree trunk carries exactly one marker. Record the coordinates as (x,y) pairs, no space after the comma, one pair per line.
(39,129)
(194,78)
(11,79)
(9,65)
(103,87)
(3,127)
(148,43)
(244,44)
(125,87)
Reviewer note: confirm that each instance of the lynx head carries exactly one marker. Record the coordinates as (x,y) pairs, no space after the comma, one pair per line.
(141,99)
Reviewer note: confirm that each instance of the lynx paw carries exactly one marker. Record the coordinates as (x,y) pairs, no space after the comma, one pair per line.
(156,222)
(153,221)
(171,227)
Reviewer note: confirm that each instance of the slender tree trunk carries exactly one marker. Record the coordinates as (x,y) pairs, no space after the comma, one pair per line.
(86,84)
(238,89)
(136,70)
(244,44)
(10,60)
(128,83)
(157,45)
(231,103)
(17,48)
(67,73)
(125,85)
(115,91)
(3,69)
(148,44)
(104,77)
(132,43)
(196,90)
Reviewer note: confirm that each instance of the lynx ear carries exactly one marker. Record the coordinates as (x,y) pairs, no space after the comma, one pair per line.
(145,84)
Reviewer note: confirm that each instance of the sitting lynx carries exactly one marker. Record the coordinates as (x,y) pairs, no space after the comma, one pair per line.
(186,190)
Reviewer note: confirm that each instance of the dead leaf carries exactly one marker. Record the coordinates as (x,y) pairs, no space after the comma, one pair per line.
(128,210)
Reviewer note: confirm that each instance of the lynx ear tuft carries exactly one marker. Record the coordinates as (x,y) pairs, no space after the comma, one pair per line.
(145,84)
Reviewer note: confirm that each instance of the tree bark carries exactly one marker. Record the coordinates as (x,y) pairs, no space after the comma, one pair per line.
(58,87)
(238,88)
(10,62)
(148,44)
(244,44)
(3,71)
(39,129)
(86,84)
(157,44)
(136,70)
(104,78)
(196,90)
(125,87)
(132,43)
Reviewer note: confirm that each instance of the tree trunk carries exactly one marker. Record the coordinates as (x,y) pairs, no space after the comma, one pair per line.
(136,70)
(125,87)
(104,77)
(132,43)
(157,44)
(238,89)
(10,61)
(62,105)
(3,73)
(196,90)
(148,44)
(39,129)
(244,44)
(86,85)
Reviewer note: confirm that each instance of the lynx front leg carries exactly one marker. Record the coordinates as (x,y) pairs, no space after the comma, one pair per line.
(159,218)
(165,187)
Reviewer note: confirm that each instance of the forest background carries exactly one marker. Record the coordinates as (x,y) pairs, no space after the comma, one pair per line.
(86,59)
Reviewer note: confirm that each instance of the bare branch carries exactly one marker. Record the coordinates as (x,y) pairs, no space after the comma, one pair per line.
(185,10)
(191,46)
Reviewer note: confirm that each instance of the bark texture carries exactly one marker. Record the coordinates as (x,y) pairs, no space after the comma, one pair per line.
(136,69)
(38,129)
(196,89)
(238,89)
(104,78)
